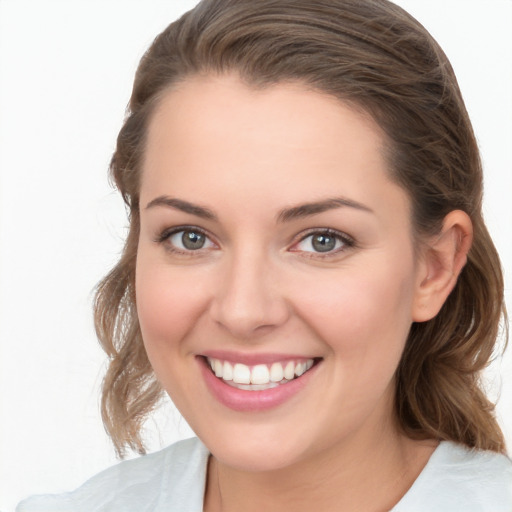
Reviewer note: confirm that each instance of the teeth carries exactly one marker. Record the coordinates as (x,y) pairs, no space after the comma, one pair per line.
(300,369)
(259,376)
(276,372)
(227,371)
(241,374)
(218,368)
(289,371)
(253,387)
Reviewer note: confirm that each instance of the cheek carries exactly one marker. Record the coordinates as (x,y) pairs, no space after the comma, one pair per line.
(361,314)
(363,321)
(168,304)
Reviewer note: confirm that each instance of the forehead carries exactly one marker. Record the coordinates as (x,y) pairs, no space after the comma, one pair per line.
(283,115)
(217,134)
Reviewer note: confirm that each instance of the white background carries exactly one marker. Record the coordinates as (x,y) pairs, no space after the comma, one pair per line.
(66,69)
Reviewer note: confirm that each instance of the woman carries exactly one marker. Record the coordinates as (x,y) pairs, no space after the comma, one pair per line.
(307,272)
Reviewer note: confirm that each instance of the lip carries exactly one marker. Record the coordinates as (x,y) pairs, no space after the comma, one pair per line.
(254,359)
(253,401)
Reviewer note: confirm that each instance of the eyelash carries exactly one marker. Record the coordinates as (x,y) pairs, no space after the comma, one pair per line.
(166,234)
(346,241)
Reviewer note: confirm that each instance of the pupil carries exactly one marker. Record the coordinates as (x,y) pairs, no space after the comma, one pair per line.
(324,243)
(192,240)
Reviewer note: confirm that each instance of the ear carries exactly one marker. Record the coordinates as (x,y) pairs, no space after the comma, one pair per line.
(441,261)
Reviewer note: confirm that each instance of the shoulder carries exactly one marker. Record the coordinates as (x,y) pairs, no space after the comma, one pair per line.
(457,478)
(172,479)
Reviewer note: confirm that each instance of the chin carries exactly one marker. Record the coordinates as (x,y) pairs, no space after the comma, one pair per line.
(254,459)
(256,449)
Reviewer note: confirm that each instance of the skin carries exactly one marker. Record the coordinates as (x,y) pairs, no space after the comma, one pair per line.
(258,286)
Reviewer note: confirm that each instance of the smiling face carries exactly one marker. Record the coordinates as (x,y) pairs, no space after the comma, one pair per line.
(276,252)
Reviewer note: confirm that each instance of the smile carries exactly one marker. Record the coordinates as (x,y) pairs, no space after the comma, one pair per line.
(260,376)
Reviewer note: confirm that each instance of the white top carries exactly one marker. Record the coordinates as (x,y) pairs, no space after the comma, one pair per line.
(455,479)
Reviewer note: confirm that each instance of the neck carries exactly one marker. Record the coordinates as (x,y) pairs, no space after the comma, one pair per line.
(368,473)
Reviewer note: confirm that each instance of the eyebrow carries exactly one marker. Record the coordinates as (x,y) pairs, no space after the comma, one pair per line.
(184,206)
(305,210)
(285,215)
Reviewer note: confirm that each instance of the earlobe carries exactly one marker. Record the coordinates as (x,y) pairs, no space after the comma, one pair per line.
(443,258)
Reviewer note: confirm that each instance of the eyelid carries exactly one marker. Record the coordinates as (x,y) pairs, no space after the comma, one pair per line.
(347,241)
(167,233)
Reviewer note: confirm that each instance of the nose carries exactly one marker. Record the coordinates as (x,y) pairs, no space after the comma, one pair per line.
(249,301)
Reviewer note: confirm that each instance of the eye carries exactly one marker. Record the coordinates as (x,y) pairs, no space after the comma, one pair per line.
(186,240)
(322,242)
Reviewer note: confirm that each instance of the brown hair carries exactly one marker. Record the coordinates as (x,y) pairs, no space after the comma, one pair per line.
(374,55)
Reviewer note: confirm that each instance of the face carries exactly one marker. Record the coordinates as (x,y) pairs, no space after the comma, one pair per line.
(276,272)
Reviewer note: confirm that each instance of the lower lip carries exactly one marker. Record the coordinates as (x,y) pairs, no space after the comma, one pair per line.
(243,400)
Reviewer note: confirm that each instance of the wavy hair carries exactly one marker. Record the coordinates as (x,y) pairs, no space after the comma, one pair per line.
(374,55)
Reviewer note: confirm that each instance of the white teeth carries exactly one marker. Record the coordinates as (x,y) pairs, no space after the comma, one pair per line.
(218,368)
(300,369)
(241,374)
(260,376)
(289,371)
(227,373)
(276,372)
(253,387)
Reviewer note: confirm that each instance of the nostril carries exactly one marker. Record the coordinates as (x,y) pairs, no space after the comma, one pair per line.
(246,305)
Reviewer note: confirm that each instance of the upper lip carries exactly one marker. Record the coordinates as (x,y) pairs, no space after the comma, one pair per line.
(251,359)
